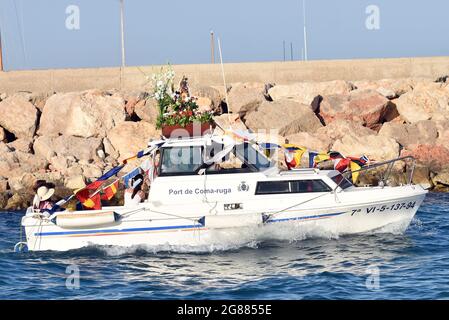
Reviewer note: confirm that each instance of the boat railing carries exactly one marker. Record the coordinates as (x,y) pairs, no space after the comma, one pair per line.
(385,175)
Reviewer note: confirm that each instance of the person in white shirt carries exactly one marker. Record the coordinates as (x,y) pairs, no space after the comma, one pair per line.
(134,194)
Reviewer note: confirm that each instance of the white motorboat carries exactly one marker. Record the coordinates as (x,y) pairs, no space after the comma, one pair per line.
(195,197)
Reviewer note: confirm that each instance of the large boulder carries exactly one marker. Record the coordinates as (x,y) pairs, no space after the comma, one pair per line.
(147,110)
(377,148)
(18,202)
(109,149)
(311,141)
(443,132)
(2,134)
(22,144)
(366,107)
(435,157)
(3,185)
(4,149)
(442,178)
(422,132)
(285,116)
(340,128)
(229,121)
(92,171)
(389,88)
(426,101)
(18,116)
(86,114)
(75,182)
(8,160)
(60,163)
(306,92)
(30,162)
(245,97)
(22,183)
(80,148)
(133,98)
(210,94)
(128,138)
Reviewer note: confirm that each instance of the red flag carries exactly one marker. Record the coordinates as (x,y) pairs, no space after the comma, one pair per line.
(88,201)
(110,191)
(341,164)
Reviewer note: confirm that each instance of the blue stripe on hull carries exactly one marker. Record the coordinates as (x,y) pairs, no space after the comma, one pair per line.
(328,215)
(61,233)
(129,230)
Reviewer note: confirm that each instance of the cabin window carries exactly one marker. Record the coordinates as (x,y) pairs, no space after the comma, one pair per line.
(341,181)
(295,186)
(181,160)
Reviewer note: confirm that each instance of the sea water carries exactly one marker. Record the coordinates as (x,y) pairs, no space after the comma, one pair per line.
(414,265)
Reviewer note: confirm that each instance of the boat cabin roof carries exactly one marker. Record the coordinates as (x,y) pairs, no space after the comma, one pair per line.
(188,156)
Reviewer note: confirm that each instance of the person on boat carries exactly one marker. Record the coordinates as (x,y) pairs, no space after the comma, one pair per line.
(134,194)
(43,193)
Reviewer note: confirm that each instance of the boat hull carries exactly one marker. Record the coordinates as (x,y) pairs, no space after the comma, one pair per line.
(147,228)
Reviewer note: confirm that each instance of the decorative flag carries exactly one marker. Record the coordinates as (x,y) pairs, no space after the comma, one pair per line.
(320,158)
(110,191)
(341,164)
(293,155)
(312,156)
(91,202)
(89,199)
(335,155)
(126,178)
(269,148)
(354,167)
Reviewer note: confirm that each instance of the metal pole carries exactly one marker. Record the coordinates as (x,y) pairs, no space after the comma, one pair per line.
(212,47)
(305,29)
(224,82)
(122,26)
(284,49)
(291,51)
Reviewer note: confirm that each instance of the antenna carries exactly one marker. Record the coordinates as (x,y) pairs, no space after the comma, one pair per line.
(305,29)
(224,81)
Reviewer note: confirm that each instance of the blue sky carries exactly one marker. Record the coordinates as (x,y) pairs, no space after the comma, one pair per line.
(35,36)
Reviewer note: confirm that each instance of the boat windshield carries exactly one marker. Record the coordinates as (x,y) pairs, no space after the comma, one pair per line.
(252,157)
(341,181)
(181,160)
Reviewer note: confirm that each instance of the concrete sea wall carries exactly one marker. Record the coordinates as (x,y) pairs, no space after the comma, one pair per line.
(65,80)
